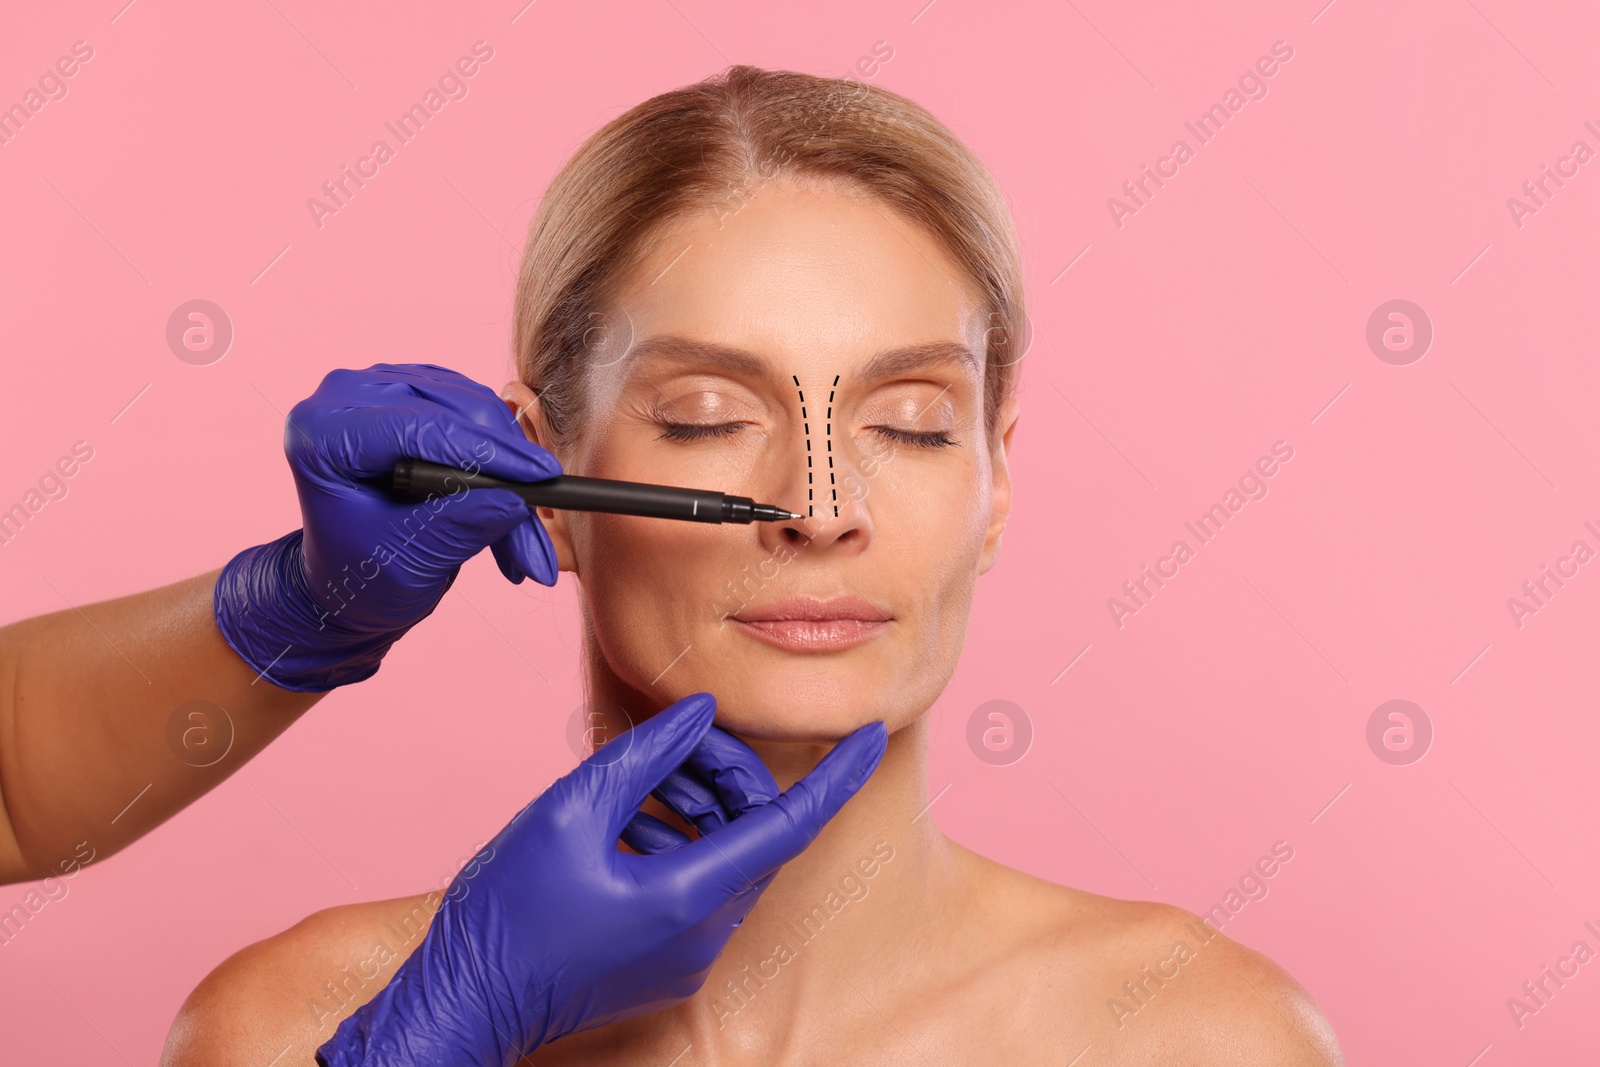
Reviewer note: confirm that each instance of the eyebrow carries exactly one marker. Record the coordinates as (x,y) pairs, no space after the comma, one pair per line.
(925,356)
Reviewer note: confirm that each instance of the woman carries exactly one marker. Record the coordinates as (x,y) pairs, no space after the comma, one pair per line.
(808,292)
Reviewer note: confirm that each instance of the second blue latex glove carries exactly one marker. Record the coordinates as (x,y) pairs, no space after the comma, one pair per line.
(556,930)
(320,606)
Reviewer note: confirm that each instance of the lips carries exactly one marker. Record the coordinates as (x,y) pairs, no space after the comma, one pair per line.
(814,624)
(816,609)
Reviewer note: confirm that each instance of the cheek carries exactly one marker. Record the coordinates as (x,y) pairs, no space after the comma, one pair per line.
(931,517)
(962,532)
(942,498)
(647,582)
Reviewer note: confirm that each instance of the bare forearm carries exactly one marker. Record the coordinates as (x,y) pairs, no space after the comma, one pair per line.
(115,716)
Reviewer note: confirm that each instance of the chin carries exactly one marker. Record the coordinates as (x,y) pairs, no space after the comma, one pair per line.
(792,691)
(778,722)
(810,701)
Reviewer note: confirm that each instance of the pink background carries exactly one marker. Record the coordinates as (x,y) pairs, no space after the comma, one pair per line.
(1224,316)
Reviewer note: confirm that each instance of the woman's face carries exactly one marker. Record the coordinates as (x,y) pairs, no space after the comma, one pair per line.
(800,291)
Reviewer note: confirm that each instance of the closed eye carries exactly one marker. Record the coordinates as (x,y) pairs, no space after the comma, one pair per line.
(916,438)
(689,431)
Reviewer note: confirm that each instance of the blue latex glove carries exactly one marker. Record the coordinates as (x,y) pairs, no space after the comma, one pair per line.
(553,929)
(319,607)
(720,780)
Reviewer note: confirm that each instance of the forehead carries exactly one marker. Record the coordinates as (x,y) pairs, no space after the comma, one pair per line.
(816,277)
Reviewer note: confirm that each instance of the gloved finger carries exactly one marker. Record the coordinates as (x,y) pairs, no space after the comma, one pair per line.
(432,539)
(527,551)
(363,440)
(763,839)
(698,801)
(610,786)
(444,386)
(649,835)
(471,400)
(503,559)
(691,798)
(456,392)
(460,524)
(721,779)
(408,371)
(497,446)
(389,381)
(734,771)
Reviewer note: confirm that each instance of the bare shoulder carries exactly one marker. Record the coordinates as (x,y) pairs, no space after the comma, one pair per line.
(278,1000)
(1222,1002)
(1141,982)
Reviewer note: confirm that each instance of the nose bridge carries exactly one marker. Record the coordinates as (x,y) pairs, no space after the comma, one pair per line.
(823,465)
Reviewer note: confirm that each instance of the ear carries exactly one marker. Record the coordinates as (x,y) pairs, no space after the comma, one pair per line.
(524,406)
(999,480)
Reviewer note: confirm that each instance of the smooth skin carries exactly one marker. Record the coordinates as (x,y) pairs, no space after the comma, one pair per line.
(940,955)
(86,695)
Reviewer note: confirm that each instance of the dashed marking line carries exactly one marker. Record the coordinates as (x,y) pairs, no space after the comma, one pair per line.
(833,488)
(804,422)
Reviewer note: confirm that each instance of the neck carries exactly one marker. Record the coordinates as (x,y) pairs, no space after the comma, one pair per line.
(864,890)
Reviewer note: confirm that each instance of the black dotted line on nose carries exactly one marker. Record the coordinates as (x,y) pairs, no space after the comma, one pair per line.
(833,489)
(809,509)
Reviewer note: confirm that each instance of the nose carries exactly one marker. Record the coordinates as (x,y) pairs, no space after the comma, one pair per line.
(821,482)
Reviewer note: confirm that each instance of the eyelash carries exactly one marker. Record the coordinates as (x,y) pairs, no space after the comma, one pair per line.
(681,431)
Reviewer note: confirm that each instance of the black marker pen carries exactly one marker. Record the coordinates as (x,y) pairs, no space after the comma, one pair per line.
(417,479)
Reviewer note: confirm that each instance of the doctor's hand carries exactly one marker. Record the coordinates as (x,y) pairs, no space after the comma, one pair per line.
(552,930)
(319,607)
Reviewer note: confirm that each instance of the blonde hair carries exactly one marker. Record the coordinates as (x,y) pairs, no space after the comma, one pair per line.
(703,146)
